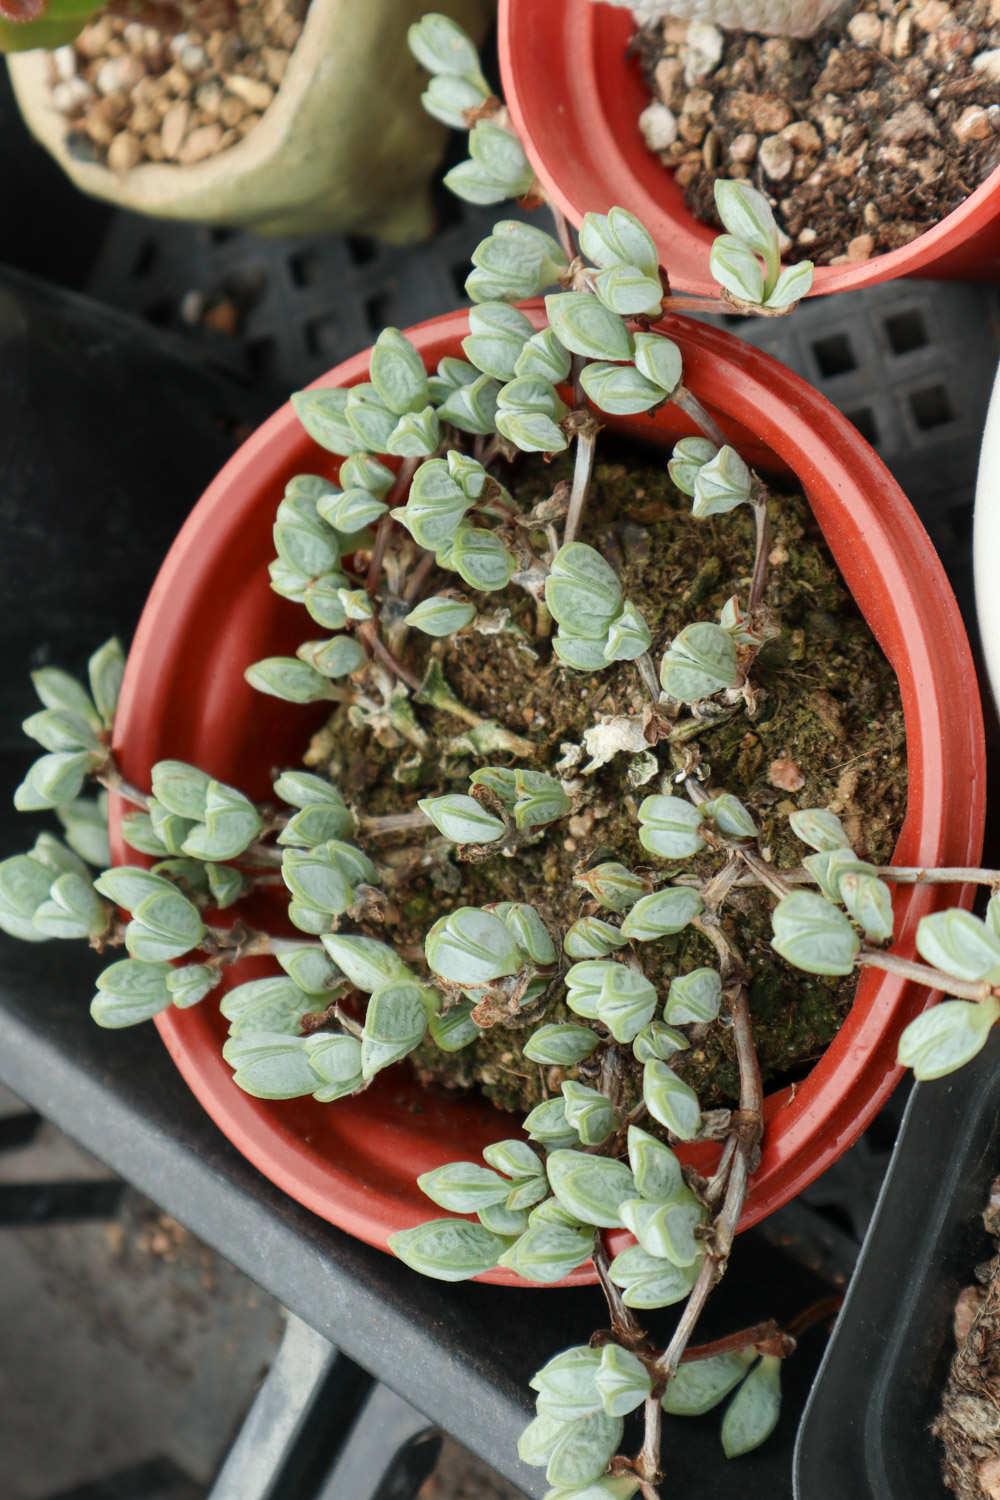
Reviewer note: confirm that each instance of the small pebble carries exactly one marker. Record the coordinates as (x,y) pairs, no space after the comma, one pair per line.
(784,774)
(911,123)
(71,96)
(932,15)
(865,28)
(862,247)
(967,1306)
(776,157)
(124,153)
(973,124)
(658,125)
(251,90)
(988,1475)
(117,74)
(193,58)
(802,136)
(743,148)
(200,144)
(174,127)
(988,63)
(702,50)
(64,61)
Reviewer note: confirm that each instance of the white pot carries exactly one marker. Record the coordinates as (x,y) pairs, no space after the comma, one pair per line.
(986,542)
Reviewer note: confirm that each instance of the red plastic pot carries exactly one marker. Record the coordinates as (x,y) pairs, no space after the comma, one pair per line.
(575,98)
(211,612)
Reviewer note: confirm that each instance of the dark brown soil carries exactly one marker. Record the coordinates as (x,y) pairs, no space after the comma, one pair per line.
(861,137)
(968,1425)
(830,723)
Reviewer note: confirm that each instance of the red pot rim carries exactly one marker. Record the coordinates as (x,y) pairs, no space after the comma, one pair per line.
(575,98)
(210,613)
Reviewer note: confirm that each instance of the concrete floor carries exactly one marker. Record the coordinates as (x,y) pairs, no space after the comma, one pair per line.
(129,1351)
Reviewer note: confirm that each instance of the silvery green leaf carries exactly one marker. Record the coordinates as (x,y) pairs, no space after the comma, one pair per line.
(668,826)
(659,360)
(622,1381)
(701,1384)
(662,913)
(818,828)
(231,823)
(620,390)
(351,511)
(700,661)
(415,435)
(495,284)
(435,506)
(139,833)
(55,856)
(584,1453)
(73,910)
(869,901)
(544,356)
(729,816)
(579,653)
(191,983)
(592,1188)
(538,255)
(540,799)
(946,1036)
(440,616)
(472,408)
(658,1040)
(316,824)
(531,431)
(529,1191)
(367,963)
(371,419)
(612,885)
(689,457)
(463,1187)
(747,215)
(462,819)
(650,1281)
(448,1249)
(501,780)
(53,780)
(589,1112)
(514,1158)
(693,997)
(268,1065)
(469,946)
(56,729)
(450,375)
(500,1219)
(474,183)
(286,678)
(671,1101)
(737,622)
(307,548)
(591,937)
(497,334)
(960,944)
(529,393)
(618,238)
(656,1169)
(397,374)
(85,828)
(304,789)
(275,1004)
(582,591)
(128,885)
(188,875)
(316,878)
(627,1001)
(338,657)
(58,690)
(447,98)
(551,1211)
(287,581)
(567,1383)
(667,1230)
(735,267)
(441,46)
(323,414)
(308,918)
(357,604)
(321,598)
(546,1123)
(469,474)
(164,925)
(562,1045)
(538,1439)
(310,969)
(181,789)
(225,884)
(627,291)
(607,1487)
(814,935)
(336,1060)
(130,991)
(548,1252)
(499,154)
(584,326)
(362,471)
(721,484)
(794,283)
(395,1023)
(528,931)
(480,559)
(753,1413)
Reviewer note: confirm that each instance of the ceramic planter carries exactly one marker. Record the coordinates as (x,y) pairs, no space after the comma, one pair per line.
(575,99)
(345,144)
(211,613)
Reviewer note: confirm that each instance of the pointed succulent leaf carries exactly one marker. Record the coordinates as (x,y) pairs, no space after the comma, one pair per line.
(128,885)
(747,215)
(73,910)
(362,471)
(303,789)
(547,1124)
(561,1044)
(448,1249)
(85,828)
(548,1252)
(231,823)
(721,484)
(753,1413)
(57,857)
(579,653)
(480,558)
(542,355)
(351,511)
(694,997)
(628,635)
(649,1281)
(323,415)
(525,1194)
(318,879)
(585,1451)
(462,819)
(589,1112)
(371,419)
(618,238)
(56,729)
(397,373)
(623,1381)
(336,1061)
(620,390)
(321,597)
(435,506)
(497,334)
(668,826)
(538,1439)
(960,944)
(470,946)
(338,657)
(671,1101)
(499,153)
(270,1065)
(310,969)
(463,1187)
(539,799)
(794,283)
(415,435)
(946,1036)
(190,983)
(551,1211)
(659,360)
(869,901)
(729,816)
(531,431)
(541,258)
(367,963)
(448,97)
(308,547)
(528,931)
(226,885)
(814,935)
(582,591)
(829,866)
(585,984)
(274,1004)
(286,678)
(499,1219)
(592,1188)
(626,1002)
(316,824)
(656,1169)
(584,326)
(662,913)
(700,661)
(475,183)
(395,1023)
(700,1384)
(819,828)
(735,267)
(441,46)
(689,457)
(514,1158)
(164,925)
(567,1383)
(54,780)
(24,887)
(441,616)
(591,937)
(450,375)
(612,885)
(626,290)
(56,689)
(130,991)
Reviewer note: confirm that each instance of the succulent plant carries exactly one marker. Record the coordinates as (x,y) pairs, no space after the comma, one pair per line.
(395,562)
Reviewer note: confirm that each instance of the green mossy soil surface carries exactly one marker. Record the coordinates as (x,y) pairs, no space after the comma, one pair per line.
(829,715)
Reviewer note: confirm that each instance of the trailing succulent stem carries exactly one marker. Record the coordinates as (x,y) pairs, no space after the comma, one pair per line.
(399,563)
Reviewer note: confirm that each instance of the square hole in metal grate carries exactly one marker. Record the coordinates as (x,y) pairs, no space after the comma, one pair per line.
(907,331)
(834,355)
(864,421)
(931,407)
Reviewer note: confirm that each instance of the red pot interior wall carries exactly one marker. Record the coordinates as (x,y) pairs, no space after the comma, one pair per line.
(576,98)
(211,613)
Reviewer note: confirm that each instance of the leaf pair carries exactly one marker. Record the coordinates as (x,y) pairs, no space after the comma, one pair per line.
(747,260)
(597,625)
